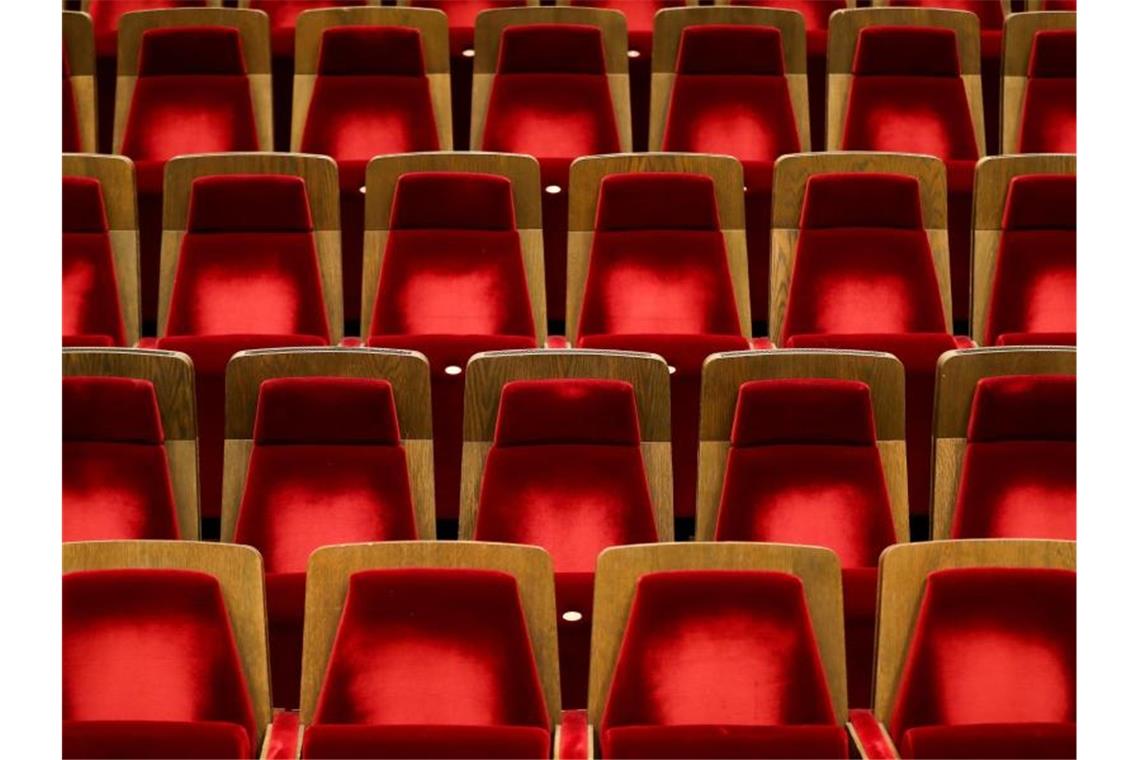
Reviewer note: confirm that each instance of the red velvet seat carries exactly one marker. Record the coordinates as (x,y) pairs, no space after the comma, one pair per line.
(370,97)
(452,284)
(565,473)
(730,96)
(803,468)
(116,478)
(192,95)
(658,281)
(92,315)
(718,663)
(864,278)
(1019,475)
(550,99)
(430,663)
(1049,112)
(247,277)
(991,668)
(1035,276)
(907,95)
(816,14)
(326,468)
(151,668)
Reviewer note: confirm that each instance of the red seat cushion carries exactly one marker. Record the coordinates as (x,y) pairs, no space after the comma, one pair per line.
(726,742)
(1049,110)
(428,741)
(149,739)
(91,310)
(992,741)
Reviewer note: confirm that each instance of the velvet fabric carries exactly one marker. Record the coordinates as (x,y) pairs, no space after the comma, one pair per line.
(991,645)
(803,468)
(730,97)
(453,284)
(1019,475)
(91,310)
(595,496)
(550,99)
(1049,111)
(746,742)
(71,140)
(1035,276)
(720,653)
(116,479)
(326,468)
(425,660)
(146,652)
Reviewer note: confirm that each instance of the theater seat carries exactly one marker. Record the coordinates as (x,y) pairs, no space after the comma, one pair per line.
(92,315)
(151,668)
(1035,274)
(367,86)
(453,283)
(327,467)
(658,280)
(731,95)
(246,275)
(79,116)
(551,95)
(116,478)
(430,662)
(565,473)
(1049,113)
(908,93)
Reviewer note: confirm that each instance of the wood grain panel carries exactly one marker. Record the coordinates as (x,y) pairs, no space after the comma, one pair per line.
(327,586)
(79,47)
(620,567)
(902,579)
(239,573)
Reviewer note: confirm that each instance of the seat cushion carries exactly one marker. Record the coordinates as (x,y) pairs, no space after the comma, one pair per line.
(145,739)
(992,740)
(725,742)
(349,741)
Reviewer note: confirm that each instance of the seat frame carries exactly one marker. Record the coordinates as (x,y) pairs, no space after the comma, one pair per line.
(1017,46)
(79,44)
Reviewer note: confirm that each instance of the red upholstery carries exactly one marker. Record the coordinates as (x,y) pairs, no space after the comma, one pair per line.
(247,278)
(326,468)
(1019,476)
(453,284)
(724,660)
(116,480)
(426,661)
(550,99)
(91,310)
(803,468)
(730,97)
(658,281)
(565,473)
(150,667)
(991,646)
(71,139)
(1049,111)
(1035,275)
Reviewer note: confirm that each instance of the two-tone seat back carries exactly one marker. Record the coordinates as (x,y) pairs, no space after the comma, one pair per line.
(1039,83)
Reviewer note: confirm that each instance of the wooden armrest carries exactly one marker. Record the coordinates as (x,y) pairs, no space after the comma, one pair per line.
(574,737)
(870,736)
(283,737)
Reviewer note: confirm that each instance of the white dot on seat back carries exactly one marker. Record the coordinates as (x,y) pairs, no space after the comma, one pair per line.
(452,369)
(553,189)
(468,53)
(572,616)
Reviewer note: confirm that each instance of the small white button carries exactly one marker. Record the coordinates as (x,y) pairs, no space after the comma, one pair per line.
(469,53)
(363,189)
(672,369)
(553,189)
(634,53)
(452,369)
(573,616)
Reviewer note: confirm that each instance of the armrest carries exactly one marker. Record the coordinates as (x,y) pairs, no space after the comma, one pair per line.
(283,737)
(870,736)
(965,341)
(762,344)
(351,342)
(557,341)
(574,737)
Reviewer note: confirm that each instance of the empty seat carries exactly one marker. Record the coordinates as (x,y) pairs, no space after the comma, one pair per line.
(247,273)
(660,277)
(79,117)
(1048,122)
(863,275)
(912,87)
(192,82)
(555,87)
(92,315)
(369,82)
(715,658)
(161,651)
(431,651)
(731,95)
(455,279)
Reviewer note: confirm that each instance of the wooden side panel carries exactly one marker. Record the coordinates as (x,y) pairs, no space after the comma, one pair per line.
(79,45)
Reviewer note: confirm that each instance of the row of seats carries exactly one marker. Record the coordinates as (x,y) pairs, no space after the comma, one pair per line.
(569,450)
(431,649)
(554,83)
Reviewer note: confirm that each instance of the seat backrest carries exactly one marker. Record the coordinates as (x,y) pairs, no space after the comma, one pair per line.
(991,13)
(91,311)
(991,645)
(658,261)
(551,82)
(105,15)
(730,81)
(151,644)
(192,80)
(1039,86)
(639,14)
(371,81)
(815,12)
(284,17)
(326,468)
(863,262)
(907,80)
(79,118)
